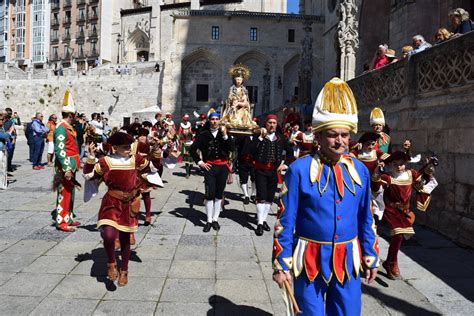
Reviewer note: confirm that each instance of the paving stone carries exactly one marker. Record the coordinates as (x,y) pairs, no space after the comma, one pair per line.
(30,247)
(81,286)
(242,291)
(96,267)
(149,268)
(18,305)
(138,289)
(146,252)
(197,240)
(6,243)
(31,284)
(15,262)
(188,290)
(51,264)
(125,308)
(236,254)
(238,270)
(183,309)
(191,269)
(73,248)
(234,241)
(201,253)
(48,233)
(161,240)
(5,276)
(65,306)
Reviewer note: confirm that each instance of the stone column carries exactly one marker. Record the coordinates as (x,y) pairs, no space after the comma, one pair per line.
(266,89)
(348,37)
(305,71)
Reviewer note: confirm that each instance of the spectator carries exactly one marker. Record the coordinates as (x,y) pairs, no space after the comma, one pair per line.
(5,137)
(380,59)
(9,126)
(460,21)
(406,51)
(99,127)
(442,35)
(126,70)
(390,54)
(30,139)
(39,132)
(16,119)
(80,127)
(107,128)
(51,126)
(118,70)
(420,44)
(157,67)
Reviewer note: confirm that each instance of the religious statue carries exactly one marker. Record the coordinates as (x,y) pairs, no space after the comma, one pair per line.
(237,110)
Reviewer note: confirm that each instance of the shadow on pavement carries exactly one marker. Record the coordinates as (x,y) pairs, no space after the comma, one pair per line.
(397,304)
(99,265)
(436,254)
(222,306)
(240,217)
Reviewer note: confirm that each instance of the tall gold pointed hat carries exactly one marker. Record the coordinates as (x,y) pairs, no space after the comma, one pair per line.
(335,107)
(377,117)
(68,103)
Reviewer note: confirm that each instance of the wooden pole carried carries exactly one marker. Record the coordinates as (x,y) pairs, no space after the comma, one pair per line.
(289,290)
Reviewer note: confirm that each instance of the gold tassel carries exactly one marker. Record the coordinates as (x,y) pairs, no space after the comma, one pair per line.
(338,98)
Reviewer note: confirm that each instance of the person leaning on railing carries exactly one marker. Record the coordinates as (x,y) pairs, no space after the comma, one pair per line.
(460,21)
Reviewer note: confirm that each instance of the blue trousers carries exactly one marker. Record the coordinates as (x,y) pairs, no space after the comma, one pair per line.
(38,150)
(319,299)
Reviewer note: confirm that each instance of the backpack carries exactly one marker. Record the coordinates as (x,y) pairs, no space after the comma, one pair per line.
(29,131)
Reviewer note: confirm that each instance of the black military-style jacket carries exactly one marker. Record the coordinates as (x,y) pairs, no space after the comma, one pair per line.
(267,151)
(211,147)
(243,145)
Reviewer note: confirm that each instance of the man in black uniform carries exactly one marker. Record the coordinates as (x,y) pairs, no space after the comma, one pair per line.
(268,155)
(245,164)
(215,146)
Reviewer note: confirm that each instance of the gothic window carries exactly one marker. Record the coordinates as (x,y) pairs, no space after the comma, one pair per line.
(291,36)
(215,33)
(202,93)
(253,34)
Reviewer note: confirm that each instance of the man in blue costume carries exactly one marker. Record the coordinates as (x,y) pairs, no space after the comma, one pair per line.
(325,234)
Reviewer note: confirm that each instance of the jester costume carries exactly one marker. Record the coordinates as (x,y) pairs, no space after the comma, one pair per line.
(325,232)
(67,160)
(186,137)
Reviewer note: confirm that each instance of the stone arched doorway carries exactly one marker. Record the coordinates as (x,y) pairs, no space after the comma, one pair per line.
(290,78)
(137,46)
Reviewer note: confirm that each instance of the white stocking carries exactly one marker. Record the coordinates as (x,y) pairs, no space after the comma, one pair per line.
(268,205)
(217,209)
(254,189)
(209,210)
(260,212)
(245,189)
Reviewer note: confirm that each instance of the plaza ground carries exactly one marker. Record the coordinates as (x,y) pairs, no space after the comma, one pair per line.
(176,269)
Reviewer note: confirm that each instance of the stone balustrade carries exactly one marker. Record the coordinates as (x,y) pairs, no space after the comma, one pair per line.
(429,98)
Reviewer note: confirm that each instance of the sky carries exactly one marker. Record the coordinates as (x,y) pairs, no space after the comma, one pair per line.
(292,6)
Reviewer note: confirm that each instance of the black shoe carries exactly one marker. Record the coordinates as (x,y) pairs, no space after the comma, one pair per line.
(259,230)
(246,200)
(207,227)
(216,225)
(266,227)
(252,198)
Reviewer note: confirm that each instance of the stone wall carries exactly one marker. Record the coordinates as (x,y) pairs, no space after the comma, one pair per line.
(429,99)
(101,90)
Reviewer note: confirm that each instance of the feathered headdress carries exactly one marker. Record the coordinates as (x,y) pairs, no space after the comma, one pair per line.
(377,117)
(335,107)
(239,70)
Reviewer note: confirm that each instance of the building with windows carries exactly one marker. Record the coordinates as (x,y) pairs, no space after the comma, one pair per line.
(4,31)
(198,40)
(40,32)
(80,33)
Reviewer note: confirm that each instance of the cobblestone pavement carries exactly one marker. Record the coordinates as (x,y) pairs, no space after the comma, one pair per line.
(177,269)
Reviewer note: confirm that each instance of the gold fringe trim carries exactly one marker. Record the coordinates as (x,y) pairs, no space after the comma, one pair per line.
(338,98)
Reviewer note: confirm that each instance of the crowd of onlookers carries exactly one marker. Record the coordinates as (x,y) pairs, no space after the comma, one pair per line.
(460,23)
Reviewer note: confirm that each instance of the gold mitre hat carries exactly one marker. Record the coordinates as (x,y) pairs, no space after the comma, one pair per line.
(68,103)
(335,107)
(377,117)
(239,70)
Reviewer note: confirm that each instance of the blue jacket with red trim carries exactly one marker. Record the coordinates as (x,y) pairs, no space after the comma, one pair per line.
(325,225)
